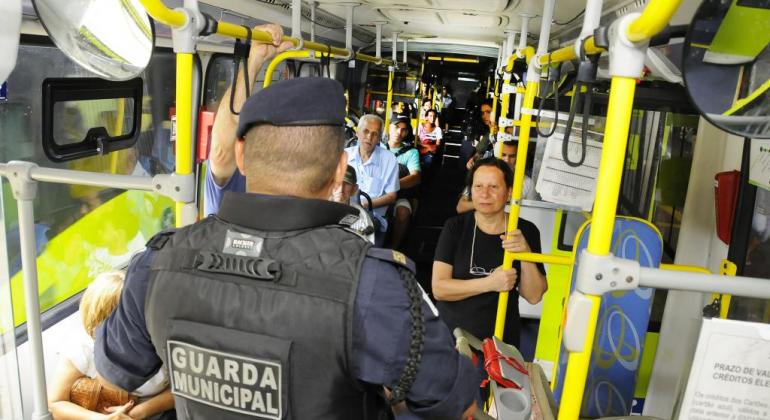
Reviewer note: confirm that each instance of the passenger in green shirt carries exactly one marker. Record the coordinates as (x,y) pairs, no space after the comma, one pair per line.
(409,178)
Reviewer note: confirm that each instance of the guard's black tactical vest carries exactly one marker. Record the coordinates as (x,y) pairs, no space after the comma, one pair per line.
(239,346)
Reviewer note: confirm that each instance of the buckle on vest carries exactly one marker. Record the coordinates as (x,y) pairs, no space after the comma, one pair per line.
(251,267)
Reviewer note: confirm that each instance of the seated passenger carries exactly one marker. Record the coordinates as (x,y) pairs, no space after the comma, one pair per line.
(507,155)
(409,178)
(221,172)
(466,271)
(426,105)
(98,302)
(430,137)
(482,130)
(376,170)
(347,193)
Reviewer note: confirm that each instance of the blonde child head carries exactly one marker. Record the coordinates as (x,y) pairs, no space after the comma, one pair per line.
(100,299)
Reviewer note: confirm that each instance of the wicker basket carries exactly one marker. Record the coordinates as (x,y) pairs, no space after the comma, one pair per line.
(91,395)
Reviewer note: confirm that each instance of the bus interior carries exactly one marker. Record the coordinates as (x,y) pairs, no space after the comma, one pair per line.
(106,115)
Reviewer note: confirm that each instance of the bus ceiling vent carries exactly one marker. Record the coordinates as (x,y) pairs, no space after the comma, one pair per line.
(10,27)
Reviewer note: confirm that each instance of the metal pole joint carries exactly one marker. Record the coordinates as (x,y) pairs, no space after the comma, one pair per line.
(19,174)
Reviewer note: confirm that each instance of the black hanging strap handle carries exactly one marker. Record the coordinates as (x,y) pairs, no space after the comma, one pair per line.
(241,52)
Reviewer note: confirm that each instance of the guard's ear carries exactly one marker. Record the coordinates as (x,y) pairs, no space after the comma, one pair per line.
(240,152)
(342,167)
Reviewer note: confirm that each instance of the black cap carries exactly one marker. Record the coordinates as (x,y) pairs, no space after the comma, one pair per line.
(350,176)
(295,102)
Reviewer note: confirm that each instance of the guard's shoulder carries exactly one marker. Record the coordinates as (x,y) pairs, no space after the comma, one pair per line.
(160,239)
(393,257)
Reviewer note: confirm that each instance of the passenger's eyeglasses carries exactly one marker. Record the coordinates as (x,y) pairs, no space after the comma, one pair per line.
(480,271)
(474,269)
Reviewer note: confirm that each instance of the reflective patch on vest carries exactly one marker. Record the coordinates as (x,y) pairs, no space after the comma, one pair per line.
(224,380)
(237,243)
(349,220)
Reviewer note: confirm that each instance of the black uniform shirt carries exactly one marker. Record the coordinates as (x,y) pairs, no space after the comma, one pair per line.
(477,314)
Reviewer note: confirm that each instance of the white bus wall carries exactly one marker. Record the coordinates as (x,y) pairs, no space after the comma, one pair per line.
(698,245)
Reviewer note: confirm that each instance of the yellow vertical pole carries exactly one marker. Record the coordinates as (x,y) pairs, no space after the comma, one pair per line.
(489,81)
(494,98)
(518,186)
(506,100)
(599,240)
(119,117)
(389,103)
(184,71)
(506,97)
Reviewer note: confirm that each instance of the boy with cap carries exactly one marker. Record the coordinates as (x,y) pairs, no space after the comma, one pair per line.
(276,287)
(409,170)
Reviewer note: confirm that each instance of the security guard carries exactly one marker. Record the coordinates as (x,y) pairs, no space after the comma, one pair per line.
(273,308)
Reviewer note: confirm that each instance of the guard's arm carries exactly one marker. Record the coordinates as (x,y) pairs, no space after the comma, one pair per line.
(446,383)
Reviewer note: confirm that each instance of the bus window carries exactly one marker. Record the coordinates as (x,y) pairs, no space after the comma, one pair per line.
(73,119)
(757,263)
(81,230)
(219,76)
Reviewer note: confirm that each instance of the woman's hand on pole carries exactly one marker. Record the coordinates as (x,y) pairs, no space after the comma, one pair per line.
(515,242)
(503,280)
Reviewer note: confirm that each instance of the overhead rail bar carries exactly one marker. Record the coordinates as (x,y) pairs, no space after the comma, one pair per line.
(177,18)
(653,19)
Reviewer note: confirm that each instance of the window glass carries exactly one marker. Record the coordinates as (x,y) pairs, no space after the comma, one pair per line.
(81,230)
(219,77)
(10,395)
(757,262)
(73,119)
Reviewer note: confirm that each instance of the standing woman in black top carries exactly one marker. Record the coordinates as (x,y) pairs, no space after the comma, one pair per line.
(466,272)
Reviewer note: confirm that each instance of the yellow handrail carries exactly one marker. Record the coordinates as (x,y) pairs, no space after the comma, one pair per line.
(568,53)
(654,19)
(527,52)
(687,268)
(163,14)
(286,55)
(173,18)
(184,72)
(518,186)
(542,258)
(389,102)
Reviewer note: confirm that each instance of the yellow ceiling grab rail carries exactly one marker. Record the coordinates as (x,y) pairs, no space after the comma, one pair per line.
(653,19)
(175,19)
